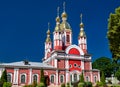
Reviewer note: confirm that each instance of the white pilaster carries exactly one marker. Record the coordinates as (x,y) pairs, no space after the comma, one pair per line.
(15,80)
(67,64)
(82,64)
(57,77)
(1,71)
(55,62)
(67,76)
(30,71)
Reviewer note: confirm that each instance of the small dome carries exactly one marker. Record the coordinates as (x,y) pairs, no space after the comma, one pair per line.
(65,25)
(81,25)
(82,34)
(48,39)
(57,19)
(64,15)
(48,31)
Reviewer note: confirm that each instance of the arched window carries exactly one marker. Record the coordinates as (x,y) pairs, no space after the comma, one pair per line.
(23,78)
(9,78)
(34,78)
(61,78)
(75,77)
(95,79)
(87,78)
(52,79)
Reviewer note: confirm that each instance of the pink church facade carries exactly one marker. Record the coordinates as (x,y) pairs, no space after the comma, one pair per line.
(63,61)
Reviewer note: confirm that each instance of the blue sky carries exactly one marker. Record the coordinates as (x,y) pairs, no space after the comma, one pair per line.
(23,26)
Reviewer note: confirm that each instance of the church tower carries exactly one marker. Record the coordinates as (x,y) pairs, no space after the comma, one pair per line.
(82,42)
(48,44)
(57,34)
(66,29)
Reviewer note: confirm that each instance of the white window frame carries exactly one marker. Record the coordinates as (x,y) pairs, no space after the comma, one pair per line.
(11,76)
(25,78)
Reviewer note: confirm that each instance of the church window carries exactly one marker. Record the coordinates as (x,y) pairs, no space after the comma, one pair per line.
(75,65)
(23,78)
(52,79)
(87,78)
(61,78)
(9,78)
(75,77)
(35,78)
(95,79)
(68,38)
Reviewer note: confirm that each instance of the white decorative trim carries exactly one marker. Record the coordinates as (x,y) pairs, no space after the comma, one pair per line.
(15,80)
(67,76)
(30,71)
(56,77)
(74,46)
(55,61)
(67,64)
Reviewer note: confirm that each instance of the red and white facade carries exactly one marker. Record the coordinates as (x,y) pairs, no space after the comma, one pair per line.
(63,61)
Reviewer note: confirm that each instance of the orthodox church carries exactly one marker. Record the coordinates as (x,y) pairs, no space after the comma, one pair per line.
(63,61)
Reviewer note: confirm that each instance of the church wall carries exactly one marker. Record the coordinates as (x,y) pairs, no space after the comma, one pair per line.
(87,65)
(61,64)
(72,65)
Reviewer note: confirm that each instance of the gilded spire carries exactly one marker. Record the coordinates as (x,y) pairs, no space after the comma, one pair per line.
(48,33)
(82,33)
(58,18)
(64,15)
(81,24)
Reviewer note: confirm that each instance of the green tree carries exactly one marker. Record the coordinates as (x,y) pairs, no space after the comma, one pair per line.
(113,34)
(42,79)
(103,64)
(103,78)
(4,76)
(82,78)
(117,74)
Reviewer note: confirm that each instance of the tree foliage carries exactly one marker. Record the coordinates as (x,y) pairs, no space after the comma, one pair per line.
(82,78)
(103,78)
(104,64)
(117,74)
(113,34)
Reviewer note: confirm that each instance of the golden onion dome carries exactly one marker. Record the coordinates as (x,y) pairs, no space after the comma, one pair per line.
(48,39)
(81,25)
(57,19)
(82,34)
(64,15)
(48,31)
(65,25)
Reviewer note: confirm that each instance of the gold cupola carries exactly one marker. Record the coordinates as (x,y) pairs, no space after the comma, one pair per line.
(82,33)
(48,34)
(64,25)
